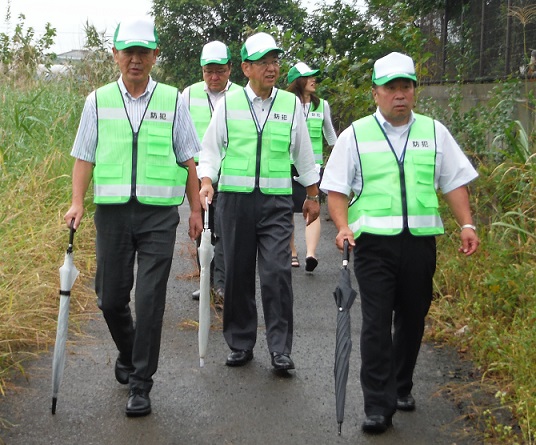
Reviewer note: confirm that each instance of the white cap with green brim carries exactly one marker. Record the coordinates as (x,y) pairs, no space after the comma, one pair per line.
(215,52)
(393,66)
(300,70)
(257,46)
(138,31)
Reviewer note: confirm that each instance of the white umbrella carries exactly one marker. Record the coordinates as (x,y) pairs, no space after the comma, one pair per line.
(206,253)
(68,274)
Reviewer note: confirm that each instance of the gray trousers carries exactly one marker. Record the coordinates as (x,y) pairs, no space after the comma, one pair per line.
(257,227)
(125,233)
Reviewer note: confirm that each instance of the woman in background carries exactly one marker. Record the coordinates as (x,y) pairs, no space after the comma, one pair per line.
(302,83)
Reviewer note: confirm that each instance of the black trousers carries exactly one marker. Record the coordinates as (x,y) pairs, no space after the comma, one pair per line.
(125,233)
(395,276)
(257,227)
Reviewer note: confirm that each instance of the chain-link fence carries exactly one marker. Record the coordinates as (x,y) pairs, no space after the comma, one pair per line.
(481,40)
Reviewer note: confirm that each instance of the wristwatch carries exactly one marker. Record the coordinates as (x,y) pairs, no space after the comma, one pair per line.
(468,226)
(313,198)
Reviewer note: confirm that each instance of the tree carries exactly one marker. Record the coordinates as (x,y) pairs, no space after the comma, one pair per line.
(186,25)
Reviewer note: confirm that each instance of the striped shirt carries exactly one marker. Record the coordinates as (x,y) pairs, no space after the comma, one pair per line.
(185,140)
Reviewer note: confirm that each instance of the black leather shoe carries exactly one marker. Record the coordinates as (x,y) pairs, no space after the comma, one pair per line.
(195,294)
(282,362)
(138,404)
(239,358)
(406,403)
(376,424)
(122,372)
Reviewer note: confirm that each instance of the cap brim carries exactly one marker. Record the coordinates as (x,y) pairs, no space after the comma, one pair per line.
(216,61)
(385,79)
(130,43)
(258,55)
(298,75)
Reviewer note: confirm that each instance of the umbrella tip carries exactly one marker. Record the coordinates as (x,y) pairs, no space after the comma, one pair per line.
(340,428)
(54,401)
(201,362)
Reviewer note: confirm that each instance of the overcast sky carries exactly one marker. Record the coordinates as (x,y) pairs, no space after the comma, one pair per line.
(70,16)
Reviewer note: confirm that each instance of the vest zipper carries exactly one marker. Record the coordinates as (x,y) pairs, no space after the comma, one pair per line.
(134,163)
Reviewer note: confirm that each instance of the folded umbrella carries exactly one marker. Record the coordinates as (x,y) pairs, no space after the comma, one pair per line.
(344,298)
(206,253)
(68,274)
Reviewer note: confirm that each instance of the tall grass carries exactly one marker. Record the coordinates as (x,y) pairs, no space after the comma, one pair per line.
(39,121)
(486,304)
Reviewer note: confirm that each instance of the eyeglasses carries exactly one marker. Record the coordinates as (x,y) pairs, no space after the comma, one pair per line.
(264,64)
(218,73)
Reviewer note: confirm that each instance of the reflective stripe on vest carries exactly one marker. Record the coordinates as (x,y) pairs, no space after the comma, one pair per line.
(315,122)
(141,165)
(396,195)
(258,159)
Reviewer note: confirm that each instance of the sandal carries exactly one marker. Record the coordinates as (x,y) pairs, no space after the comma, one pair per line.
(295,262)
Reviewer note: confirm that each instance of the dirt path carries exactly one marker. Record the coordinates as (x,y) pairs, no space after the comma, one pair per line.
(222,405)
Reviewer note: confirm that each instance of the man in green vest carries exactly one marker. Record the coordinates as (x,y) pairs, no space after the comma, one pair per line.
(201,98)
(136,140)
(248,147)
(393,162)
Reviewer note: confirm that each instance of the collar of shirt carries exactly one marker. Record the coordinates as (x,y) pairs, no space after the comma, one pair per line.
(219,92)
(390,129)
(253,97)
(148,90)
(397,135)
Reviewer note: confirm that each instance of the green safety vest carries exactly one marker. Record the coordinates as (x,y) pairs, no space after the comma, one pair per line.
(141,165)
(396,194)
(258,159)
(200,108)
(315,123)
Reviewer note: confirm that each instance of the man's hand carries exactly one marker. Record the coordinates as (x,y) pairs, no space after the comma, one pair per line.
(206,192)
(345,233)
(195,225)
(469,240)
(311,210)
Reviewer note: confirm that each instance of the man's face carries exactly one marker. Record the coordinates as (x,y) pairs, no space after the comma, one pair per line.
(216,76)
(395,100)
(135,63)
(262,73)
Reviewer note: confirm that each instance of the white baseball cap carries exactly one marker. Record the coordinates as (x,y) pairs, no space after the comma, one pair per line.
(215,52)
(257,46)
(139,31)
(300,70)
(393,66)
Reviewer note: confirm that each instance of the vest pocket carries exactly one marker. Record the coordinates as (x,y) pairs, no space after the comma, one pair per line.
(164,172)
(315,132)
(104,170)
(158,138)
(428,200)
(279,165)
(376,202)
(235,165)
(280,136)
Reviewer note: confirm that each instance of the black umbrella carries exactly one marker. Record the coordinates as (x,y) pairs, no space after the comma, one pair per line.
(344,297)
(68,274)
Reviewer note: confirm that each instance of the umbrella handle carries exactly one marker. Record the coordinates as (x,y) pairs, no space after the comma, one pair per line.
(71,236)
(205,224)
(345,253)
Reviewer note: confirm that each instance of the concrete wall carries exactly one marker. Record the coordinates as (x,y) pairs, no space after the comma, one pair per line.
(474,94)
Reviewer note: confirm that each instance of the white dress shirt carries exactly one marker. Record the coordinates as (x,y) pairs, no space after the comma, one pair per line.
(343,169)
(185,141)
(215,141)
